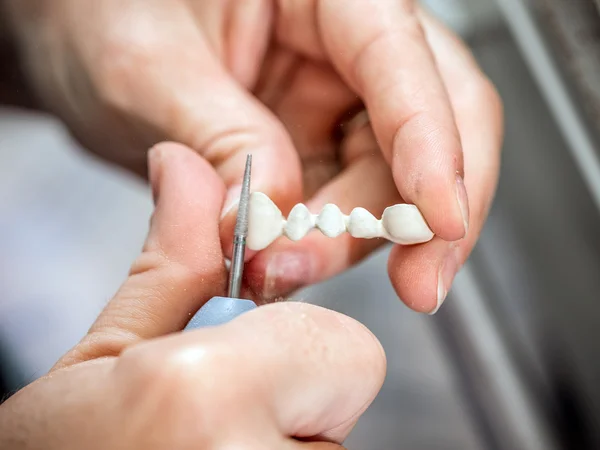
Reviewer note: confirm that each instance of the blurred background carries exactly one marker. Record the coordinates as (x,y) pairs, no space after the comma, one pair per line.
(512,360)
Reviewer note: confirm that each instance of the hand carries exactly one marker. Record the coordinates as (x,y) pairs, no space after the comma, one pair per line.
(285,376)
(275,78)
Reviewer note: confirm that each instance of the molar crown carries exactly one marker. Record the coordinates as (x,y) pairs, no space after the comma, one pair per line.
(363,224)
(265,222)
(401,224)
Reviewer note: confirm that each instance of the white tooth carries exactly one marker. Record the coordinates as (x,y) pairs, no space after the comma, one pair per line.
(405,225)
(331,221)
(265,222)
(402,224)
(299,222)
(362,224)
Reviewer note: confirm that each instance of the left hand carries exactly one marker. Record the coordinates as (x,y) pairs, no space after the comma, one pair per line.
(423,274)
(274,78)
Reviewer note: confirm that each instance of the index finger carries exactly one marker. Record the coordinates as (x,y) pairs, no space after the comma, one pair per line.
(380,48)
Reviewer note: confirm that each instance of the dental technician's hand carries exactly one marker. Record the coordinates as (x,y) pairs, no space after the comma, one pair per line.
(284,376)
(275,78)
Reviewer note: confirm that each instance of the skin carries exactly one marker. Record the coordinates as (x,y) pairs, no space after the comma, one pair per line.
(275,78)
(285,376)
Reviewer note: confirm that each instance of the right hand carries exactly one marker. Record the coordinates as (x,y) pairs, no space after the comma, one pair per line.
(274,378)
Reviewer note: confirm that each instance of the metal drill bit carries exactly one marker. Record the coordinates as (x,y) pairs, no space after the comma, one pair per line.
(239,235)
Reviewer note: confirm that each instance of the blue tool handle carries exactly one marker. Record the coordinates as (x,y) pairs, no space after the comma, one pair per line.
(219,310)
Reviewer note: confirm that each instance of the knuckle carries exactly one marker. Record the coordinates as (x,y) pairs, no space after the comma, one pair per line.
(150,379)
(179,378)
(190,274)
(123,56)
(242,132)
(486,91)
(477,96)
(493,97)
(147,261)
(178,272)
(407,29)
(483,100)
(146,370)
(96,344)
(480,90)
(151,382)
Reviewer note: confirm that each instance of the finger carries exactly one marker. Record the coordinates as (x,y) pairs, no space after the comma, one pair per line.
(286,265)
(423,275)
(381,50)
(181,265)
(282,371)
(310,108)
(186,92)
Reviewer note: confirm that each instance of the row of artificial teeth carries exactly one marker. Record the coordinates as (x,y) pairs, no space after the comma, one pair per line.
(401,224)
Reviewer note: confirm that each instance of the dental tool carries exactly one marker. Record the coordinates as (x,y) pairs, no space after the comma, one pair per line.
(219,310)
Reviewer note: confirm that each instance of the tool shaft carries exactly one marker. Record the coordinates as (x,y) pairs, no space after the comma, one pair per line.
(239,235)
(220,310)
(237,265)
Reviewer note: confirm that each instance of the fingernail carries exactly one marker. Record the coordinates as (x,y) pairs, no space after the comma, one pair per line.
(154,162)
(231,200)
(287,272)
(446,274)
(463,201)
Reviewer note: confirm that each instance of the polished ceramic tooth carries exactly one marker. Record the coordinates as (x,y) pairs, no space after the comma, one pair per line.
(363,224)
(404,224)
(299,222)
(265,222)
(331,221)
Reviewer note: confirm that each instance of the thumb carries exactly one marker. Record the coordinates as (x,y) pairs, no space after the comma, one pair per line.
(181,265)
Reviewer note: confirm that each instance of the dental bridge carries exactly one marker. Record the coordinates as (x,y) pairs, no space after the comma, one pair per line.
(402,224)
(260,222)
